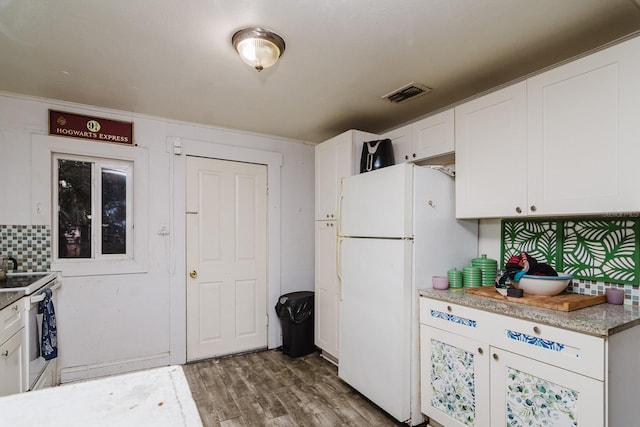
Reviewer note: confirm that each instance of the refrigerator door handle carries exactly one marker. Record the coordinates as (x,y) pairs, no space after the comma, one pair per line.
(340,197)
(339,266)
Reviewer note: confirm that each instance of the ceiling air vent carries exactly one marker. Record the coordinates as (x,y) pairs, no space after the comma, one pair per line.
(406,92)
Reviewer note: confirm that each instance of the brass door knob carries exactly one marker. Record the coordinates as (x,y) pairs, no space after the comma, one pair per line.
(193,274)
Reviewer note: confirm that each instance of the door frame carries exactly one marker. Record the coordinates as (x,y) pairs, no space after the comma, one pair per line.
(178,149)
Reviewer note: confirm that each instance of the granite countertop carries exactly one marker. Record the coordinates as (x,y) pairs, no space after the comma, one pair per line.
(8,298)
(600,320)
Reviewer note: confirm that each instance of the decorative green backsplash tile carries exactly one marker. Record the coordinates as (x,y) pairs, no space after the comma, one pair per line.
(601,250)
(539,238)
(596,249)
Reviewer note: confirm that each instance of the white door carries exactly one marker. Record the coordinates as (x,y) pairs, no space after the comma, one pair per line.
(226,257)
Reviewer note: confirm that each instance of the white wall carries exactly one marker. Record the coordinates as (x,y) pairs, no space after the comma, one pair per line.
(115,323)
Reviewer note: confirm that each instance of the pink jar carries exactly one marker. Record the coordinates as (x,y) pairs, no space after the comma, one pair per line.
(615,296)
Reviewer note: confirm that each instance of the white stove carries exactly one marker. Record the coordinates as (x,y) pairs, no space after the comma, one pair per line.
(26,283)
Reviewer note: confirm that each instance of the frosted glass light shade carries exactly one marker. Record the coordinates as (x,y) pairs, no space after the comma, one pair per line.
(258,47)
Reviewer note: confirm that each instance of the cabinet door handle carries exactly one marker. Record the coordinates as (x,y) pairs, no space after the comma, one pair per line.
(449,309)
(14,308)
(406,157)
(518,210)
(480,350)
(339,266)
(328,216)
(533,208)
(5,353)
(495,356)
(536,330)
(414,155)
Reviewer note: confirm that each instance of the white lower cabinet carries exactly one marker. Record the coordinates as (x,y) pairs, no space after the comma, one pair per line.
(468,378)
(12,365)
(525,392)
(455,378)
(12,349)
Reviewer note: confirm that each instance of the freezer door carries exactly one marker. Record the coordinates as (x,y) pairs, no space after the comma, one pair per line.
(375,321)
(377,203)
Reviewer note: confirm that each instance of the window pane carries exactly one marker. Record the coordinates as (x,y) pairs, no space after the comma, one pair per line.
(74,204)
(114,211)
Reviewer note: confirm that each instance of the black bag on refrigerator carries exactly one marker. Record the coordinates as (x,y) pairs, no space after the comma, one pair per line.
(376,155)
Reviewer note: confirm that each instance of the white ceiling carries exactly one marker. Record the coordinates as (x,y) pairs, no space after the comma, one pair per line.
(174,58)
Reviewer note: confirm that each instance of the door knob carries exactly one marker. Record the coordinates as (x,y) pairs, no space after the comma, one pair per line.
(193,274)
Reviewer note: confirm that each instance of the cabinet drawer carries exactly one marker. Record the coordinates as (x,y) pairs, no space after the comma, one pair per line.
(11,320)
(461,320)
(573,351)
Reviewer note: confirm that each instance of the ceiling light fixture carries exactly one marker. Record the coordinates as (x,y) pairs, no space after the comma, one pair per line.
(258,47)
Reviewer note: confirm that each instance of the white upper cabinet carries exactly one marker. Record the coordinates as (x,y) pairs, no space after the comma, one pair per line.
(565,142)
(402,142)
(334,160)
(434,135)
(584,134)
(491,154)
(430,137)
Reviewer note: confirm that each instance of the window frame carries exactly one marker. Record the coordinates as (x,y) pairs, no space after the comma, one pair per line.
(43,149)
(98,164)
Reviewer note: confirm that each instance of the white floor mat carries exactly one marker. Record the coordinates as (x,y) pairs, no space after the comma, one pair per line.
(156,397)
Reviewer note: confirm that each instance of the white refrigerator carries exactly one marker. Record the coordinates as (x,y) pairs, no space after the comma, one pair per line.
(397,229)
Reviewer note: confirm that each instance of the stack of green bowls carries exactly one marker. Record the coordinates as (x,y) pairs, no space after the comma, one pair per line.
(455,278)
(489,268)
(472,277)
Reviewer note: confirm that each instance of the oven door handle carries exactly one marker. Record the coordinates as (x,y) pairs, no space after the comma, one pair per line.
(39,297)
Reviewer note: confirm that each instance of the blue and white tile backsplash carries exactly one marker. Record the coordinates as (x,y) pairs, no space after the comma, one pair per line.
(30,245)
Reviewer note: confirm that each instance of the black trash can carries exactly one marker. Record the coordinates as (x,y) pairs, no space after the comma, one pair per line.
(295,311)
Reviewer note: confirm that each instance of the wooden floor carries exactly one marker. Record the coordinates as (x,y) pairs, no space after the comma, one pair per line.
(269,388)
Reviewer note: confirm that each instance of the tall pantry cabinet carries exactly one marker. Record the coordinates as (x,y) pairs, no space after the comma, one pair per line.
(335,159)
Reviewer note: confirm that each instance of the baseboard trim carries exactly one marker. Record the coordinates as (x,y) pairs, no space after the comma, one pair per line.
(99,370)
(329,357)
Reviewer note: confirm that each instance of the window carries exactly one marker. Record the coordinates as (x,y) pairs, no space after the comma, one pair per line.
(112,166)
(93,213)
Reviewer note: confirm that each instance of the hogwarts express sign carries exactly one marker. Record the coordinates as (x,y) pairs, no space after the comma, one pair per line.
(86,127)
